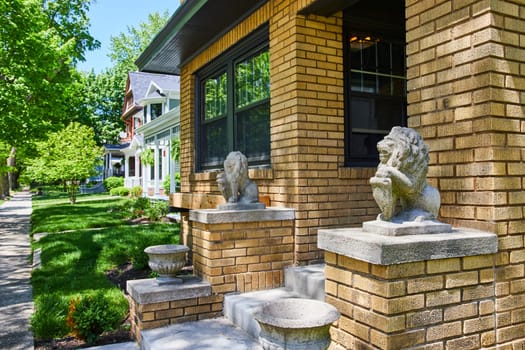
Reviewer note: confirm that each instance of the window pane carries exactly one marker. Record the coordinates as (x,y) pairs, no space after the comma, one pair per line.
(173,103)
(364,146)
(398,60)
(383,58)
(156,110)
(253,132)
(252,80)
(214,142)
(215,96)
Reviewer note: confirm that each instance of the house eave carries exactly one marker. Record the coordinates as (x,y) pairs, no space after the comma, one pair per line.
(190,30)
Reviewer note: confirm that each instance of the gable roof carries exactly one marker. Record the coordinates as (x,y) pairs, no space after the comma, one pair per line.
(139,83)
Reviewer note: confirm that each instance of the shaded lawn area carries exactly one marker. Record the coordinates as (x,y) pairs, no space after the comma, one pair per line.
(74,263)
(55,215)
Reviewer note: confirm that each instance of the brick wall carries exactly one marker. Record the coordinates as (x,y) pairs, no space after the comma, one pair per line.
(307,126)
(155,315)
(436,304)
(242,256)
(466,67)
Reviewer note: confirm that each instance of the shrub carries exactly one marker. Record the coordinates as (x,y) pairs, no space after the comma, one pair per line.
(157,210)
(93,314)
(44,326)
(138,206)
(119,191)
(113,182)
(136,192)
(166,185)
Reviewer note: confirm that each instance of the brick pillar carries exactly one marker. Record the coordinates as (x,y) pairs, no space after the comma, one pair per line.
(466,67)
(427,291)
(307,121)
(242,251)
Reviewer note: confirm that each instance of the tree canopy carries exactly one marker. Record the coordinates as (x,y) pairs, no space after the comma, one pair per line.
(41,42)
(68,155)
(104,92)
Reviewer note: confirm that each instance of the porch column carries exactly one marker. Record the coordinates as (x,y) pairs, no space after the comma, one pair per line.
(172,169)
(126,167)
(110,165)
(137,171)
(145,176)
(156,167)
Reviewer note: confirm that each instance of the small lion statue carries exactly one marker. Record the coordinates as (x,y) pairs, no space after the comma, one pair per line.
(401,174)
(234,183)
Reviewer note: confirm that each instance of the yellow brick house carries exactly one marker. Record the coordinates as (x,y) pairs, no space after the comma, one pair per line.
(306,88)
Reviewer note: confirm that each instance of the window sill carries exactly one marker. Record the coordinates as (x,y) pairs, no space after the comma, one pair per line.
(253,174)
(356,173)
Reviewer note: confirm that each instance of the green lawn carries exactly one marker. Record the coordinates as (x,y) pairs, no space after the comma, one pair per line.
(56,215)
(73,263)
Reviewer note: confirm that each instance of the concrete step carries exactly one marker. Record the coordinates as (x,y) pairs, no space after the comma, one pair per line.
(307,281)
(239,308)
(216,334)
(237,330)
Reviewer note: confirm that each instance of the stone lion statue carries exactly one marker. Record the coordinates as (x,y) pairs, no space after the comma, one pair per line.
(401,175)
(234,183)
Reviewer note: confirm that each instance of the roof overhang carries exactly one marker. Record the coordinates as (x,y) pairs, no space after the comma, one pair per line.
(326,7)
(192,28)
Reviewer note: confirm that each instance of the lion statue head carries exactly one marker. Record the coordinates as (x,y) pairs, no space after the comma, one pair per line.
(401,174)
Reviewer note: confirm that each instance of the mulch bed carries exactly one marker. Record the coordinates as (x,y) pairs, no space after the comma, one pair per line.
(117,276)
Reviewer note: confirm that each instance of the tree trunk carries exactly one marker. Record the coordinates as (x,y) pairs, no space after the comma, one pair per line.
(4,186)
(12,174)
(4,181)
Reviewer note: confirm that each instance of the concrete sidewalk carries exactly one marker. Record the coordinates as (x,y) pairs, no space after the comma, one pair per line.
(16,299)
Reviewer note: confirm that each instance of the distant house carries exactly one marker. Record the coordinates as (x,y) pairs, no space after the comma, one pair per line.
(151,114)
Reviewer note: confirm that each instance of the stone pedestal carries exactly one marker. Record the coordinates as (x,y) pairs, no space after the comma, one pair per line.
(432,291)
(242,250)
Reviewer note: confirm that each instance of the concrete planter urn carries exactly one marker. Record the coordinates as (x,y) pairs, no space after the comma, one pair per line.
(167,260)
(296,324)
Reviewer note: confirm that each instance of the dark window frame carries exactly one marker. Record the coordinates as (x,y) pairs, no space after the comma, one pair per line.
(255,43)
(357,23)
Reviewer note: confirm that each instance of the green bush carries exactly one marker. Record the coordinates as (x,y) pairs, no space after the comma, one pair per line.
(119,191)
(49,319)
(113,182)
(157,210)
(166,185)
(91,315)
(136,192)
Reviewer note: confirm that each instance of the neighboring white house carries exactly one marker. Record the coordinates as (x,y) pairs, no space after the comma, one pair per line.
(152,116)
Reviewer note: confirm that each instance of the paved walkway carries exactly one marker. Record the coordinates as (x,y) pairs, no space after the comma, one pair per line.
(16,300)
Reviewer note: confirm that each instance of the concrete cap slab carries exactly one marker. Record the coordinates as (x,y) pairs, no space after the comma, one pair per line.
(388,250)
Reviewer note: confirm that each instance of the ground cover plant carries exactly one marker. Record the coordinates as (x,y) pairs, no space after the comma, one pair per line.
(71,290)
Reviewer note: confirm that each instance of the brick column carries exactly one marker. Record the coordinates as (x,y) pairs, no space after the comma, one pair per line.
(428,291)
(307,122)
(242,251)
(466,96)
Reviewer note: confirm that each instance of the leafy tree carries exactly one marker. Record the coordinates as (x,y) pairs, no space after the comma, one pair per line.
(104,93)
(69,155)
(126,48)
(41,42)
(102,106)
